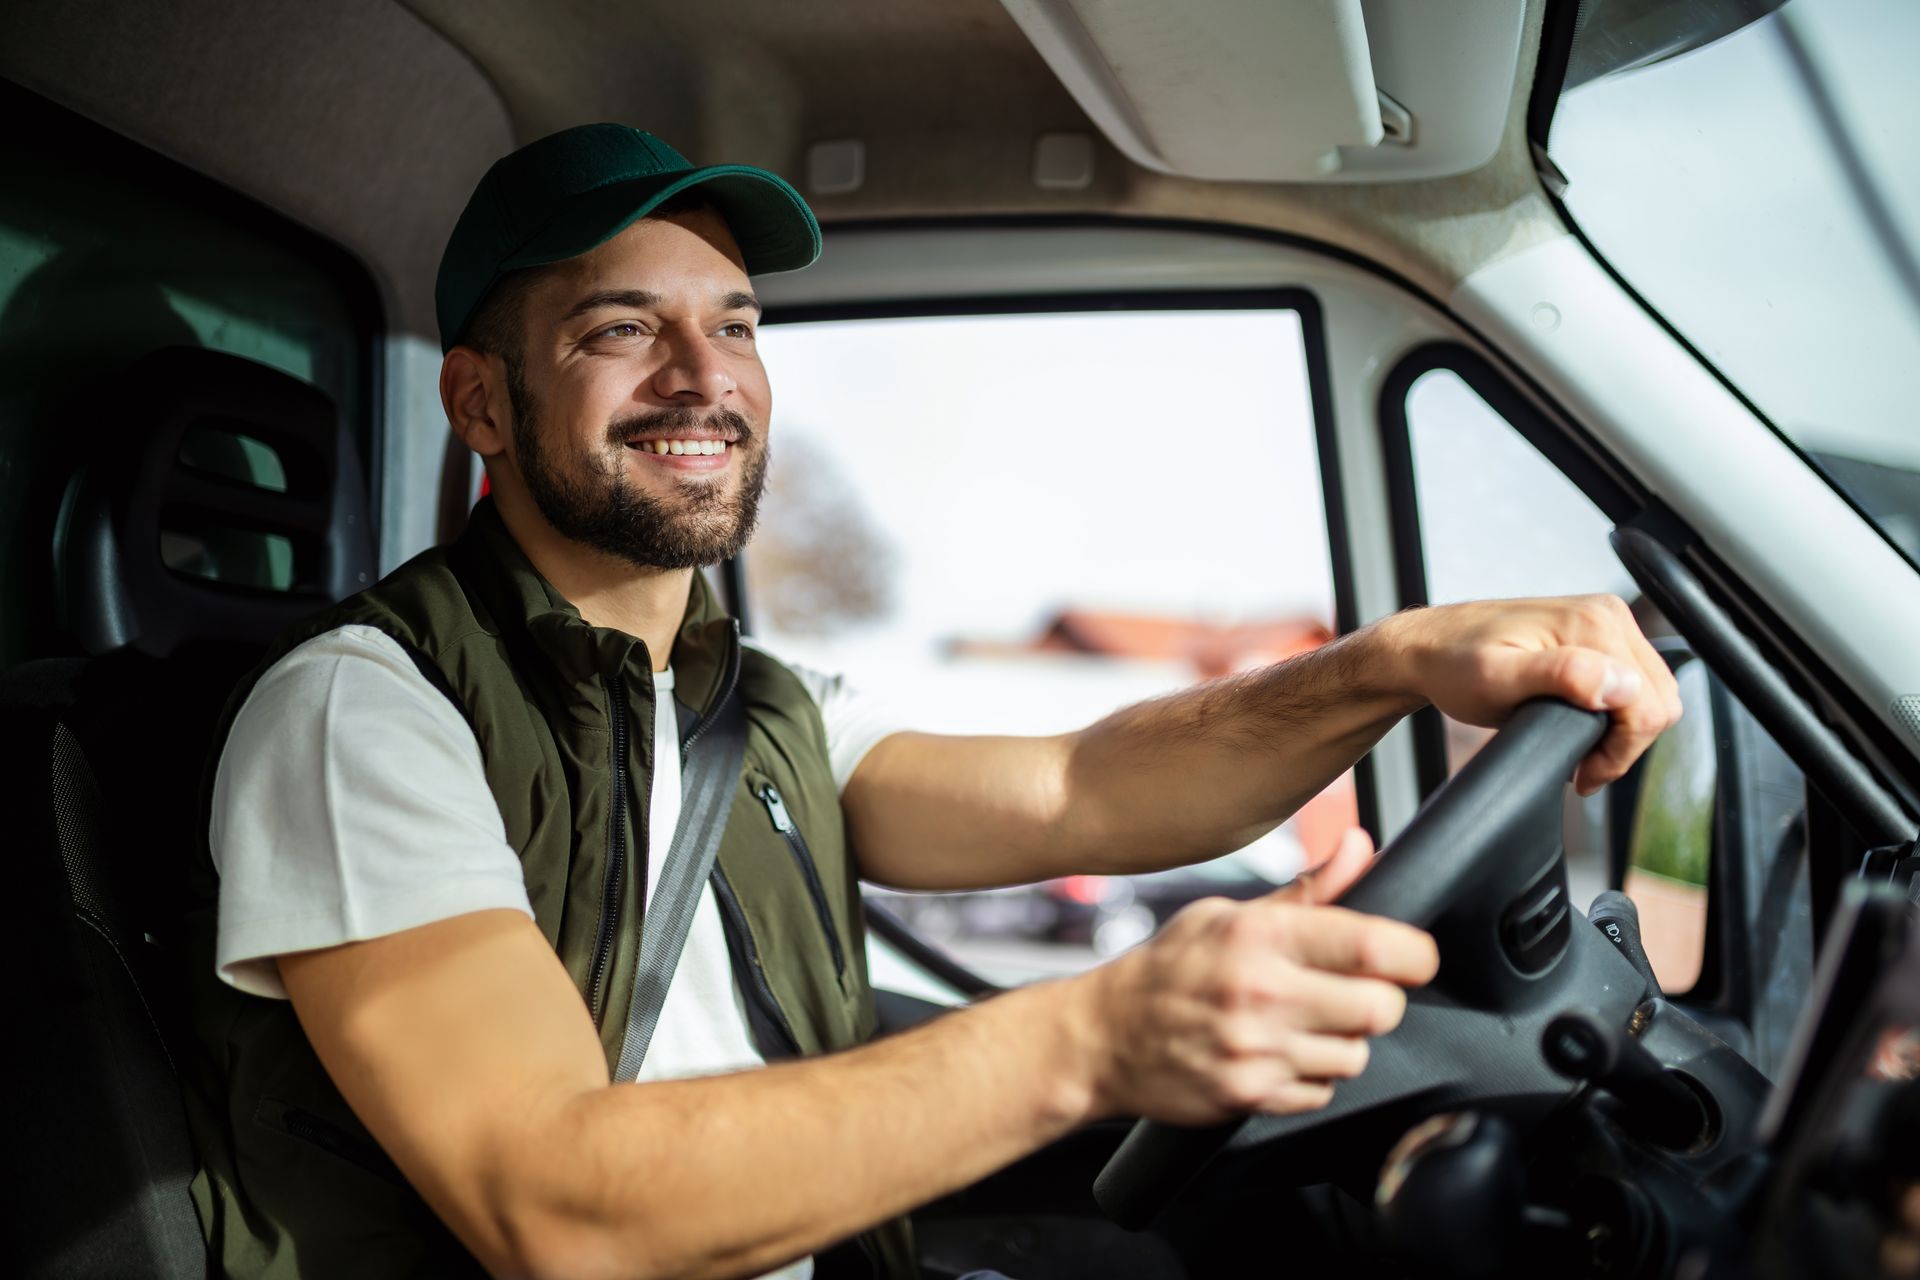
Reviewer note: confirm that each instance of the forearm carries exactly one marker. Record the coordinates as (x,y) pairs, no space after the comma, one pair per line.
(1207,770)
(1167,782)
(737,1174)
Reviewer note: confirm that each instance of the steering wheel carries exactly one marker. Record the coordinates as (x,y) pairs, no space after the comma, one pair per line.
(1483,867)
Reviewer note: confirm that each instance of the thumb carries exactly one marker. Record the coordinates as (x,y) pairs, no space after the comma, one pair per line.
(1325,883)
(1585,677)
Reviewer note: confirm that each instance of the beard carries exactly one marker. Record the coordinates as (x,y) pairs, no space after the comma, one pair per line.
(594,502)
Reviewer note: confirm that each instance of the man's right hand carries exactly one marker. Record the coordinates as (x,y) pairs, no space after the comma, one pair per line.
(1252,1006)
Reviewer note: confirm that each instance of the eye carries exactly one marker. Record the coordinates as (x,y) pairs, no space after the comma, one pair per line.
(737,329)
(625,329)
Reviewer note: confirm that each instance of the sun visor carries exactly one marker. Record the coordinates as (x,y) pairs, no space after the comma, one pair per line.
(1300,91)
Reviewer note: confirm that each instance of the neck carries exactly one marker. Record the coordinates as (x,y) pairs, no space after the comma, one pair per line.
(607,590)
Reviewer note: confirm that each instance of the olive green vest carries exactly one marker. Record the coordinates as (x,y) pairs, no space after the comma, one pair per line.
(291,1184)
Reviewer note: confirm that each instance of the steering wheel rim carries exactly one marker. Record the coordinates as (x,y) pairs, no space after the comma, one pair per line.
(1453,870)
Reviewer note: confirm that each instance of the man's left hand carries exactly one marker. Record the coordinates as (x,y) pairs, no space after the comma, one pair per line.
(1477,662)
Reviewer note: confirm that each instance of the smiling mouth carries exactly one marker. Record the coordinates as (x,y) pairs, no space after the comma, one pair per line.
(681,448)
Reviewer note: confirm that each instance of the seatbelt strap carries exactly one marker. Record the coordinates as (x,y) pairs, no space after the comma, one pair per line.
(709,773)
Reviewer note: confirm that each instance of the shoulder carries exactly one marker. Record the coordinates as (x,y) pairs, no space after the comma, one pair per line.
(408,622)
(341,675)
(779,697)
(423,604)
(850,721)
(818,687)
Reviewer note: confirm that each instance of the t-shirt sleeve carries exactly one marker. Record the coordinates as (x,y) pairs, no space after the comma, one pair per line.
(350,802)
(855,721)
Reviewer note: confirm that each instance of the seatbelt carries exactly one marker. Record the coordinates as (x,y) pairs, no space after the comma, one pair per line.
(709,772)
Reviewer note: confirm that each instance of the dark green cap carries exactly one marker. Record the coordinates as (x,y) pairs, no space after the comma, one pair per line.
(559,197)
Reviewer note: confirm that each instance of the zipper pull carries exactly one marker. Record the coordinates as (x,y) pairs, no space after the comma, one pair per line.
(776,808)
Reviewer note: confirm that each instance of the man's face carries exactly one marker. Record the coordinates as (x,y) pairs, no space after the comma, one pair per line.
(640,418)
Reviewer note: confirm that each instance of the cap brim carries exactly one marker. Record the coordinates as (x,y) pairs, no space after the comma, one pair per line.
(770,222)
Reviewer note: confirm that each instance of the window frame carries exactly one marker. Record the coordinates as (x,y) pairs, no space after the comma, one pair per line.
(1802,674)
(1617,496)
(1303,302)
(1718,989)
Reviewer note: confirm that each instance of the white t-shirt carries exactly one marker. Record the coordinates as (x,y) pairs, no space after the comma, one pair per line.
(351,802)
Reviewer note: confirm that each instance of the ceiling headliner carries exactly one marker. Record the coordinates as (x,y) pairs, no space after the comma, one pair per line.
(370,120)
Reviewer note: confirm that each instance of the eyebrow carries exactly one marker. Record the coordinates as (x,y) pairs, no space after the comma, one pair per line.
(738,300)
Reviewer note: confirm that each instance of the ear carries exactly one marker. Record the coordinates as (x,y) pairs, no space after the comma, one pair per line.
(473,392)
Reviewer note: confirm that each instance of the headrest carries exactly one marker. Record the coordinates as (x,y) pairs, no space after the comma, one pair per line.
(221,500)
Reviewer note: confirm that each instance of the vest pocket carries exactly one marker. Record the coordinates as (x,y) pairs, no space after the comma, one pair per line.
(297,1122)
(797,845)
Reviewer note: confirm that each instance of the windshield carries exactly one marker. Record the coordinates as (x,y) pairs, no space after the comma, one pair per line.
(1757,180)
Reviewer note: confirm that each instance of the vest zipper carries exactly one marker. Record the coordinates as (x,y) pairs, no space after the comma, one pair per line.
(797,845)
(740,944)
(616,849)
(759,990)
(729,681)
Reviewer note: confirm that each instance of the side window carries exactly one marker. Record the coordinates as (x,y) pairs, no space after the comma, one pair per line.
(1710,813)
(107,252)
(1004,524)
(1497,520)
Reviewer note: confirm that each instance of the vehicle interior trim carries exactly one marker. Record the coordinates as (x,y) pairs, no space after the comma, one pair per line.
(1759,686)
(1559,317)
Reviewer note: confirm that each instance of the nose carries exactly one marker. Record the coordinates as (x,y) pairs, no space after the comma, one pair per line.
(694,371)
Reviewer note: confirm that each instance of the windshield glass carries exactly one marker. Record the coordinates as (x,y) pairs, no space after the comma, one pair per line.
(1752,168)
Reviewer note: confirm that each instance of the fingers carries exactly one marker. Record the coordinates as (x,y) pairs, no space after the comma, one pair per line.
(1584,676)
(1336,1005)
(1336,940)
(1331,879)
(1253,1006)
(1655,667)
(1295,1096)
(1639,722)
(1296,1075)
(1309,1055)
(1603,662)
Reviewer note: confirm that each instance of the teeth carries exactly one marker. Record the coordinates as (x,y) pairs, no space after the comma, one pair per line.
(699,448)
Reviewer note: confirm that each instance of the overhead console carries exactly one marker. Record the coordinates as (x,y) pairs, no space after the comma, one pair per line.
(1306,91)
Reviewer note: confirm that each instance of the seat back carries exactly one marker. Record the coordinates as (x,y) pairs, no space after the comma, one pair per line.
(228,507)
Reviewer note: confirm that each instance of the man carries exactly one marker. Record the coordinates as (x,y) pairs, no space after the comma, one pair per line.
(439,811)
